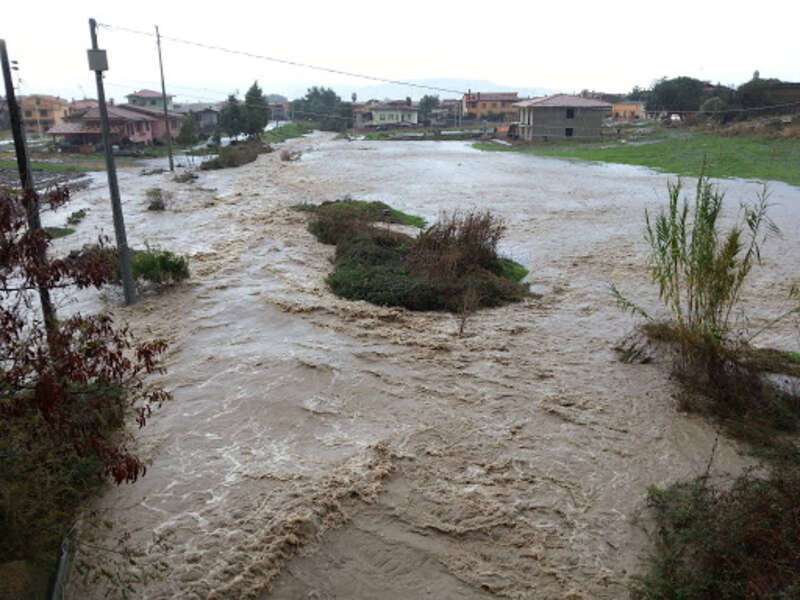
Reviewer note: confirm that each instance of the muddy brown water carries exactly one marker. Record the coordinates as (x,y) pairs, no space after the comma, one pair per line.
(321,448)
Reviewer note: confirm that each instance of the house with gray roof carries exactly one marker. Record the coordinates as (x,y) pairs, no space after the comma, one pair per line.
(561,116)
(206,116)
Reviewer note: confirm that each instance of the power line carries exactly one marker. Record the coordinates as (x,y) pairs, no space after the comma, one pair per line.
(285,61)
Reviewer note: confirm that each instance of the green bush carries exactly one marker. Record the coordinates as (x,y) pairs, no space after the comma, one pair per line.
(725,544)
(159,266)
(76,217)
(452,266)
(385,286)
(699,270)
(235,155)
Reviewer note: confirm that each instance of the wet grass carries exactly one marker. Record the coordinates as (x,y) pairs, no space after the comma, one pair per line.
(67,163)
(360,210)
(683,152)
(59,232)
(449,265)
(286,132)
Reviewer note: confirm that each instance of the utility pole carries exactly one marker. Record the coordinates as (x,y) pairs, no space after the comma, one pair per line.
(164,94)
(98,62)
(26,179)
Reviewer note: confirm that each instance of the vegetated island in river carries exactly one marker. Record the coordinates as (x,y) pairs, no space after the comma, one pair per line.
(452,265)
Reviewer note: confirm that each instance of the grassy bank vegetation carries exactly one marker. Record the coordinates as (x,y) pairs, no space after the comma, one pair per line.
(683,152)
(288,131)
(452,265)
(722,542)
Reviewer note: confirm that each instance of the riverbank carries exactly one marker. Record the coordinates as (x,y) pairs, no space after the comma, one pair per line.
(682,152)
(320,446)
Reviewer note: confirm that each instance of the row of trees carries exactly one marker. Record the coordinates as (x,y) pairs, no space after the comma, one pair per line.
(323,106)
(690,94)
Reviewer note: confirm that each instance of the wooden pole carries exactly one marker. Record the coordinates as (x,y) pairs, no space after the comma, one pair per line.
(164,96)
(98,63)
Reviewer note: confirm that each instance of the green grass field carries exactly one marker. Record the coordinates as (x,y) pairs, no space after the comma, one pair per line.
(683,153)
(288,131)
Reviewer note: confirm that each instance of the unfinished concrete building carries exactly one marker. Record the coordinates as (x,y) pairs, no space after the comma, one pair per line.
(561,117)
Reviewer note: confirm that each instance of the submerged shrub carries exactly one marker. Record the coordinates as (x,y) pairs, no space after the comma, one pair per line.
(698,269)
(448,264)
(76,217)
(156,197)
(159,266)
(236,155)
(185,177)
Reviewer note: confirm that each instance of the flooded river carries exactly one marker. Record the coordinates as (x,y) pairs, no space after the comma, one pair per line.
(322,448)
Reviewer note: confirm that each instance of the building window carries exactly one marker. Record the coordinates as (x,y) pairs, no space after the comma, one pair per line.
(42,113)
(28,113)
(570,113)
(38,101)
(568,132)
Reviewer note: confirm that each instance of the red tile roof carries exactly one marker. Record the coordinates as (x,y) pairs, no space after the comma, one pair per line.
(563,101)
(85,103)
(148,94)
(118,113)
(75,127)
(157,113)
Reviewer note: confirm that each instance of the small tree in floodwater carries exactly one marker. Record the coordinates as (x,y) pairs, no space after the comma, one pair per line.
(700,273)
(698,269)
(65,391)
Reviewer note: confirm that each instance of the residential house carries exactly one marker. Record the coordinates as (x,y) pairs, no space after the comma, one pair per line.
(561,116)
(150,99)
(125,127)
(41,112)
(79,107)
(158,124)
(627,111)
(397,113)
(206,116)
(480,104)
(279,111)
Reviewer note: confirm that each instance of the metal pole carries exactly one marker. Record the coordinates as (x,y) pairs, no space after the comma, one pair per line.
(26,178)
(164,94)
(99,64)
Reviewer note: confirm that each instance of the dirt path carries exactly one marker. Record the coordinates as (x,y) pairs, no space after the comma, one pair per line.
(319,448)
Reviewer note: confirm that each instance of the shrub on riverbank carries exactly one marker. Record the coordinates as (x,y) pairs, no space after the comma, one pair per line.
(700,272)
(235,155)
(450,261)
(725,544)
(720,542)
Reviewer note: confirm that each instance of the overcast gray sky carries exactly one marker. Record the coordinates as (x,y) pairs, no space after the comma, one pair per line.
(565,46)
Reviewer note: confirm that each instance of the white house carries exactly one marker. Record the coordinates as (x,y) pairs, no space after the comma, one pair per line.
(397,113)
